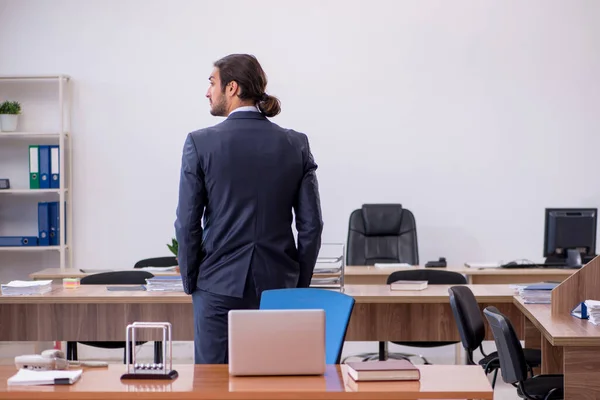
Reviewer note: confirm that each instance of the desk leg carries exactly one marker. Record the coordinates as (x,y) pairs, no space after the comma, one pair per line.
(533,339)
(581,366)
(552,358)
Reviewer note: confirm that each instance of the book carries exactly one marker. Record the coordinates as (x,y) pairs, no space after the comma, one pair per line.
(52,377)
(390,370)
(408,285)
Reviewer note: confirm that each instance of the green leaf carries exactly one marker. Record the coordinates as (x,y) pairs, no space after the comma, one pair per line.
(174,246)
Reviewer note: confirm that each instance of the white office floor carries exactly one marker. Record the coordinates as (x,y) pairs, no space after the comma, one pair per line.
(183,353)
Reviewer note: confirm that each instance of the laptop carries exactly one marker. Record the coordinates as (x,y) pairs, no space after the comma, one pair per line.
(276,342)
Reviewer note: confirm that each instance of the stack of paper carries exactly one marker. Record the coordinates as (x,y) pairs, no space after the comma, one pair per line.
(392,265)
(593,309)
(169,283)
(537,293)
(159,269)
(54,377)
(19,288)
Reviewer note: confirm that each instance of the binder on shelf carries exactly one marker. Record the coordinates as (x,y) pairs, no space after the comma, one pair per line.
(43,224)
(54,224)
(44,167)
(34,167)
(54,167)
(18,241)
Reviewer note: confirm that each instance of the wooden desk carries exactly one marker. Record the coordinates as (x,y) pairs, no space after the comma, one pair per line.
(569,345)
(92,313)
(363,275)
(57,274)
(213,382)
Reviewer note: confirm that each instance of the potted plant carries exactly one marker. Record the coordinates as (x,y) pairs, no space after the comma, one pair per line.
(9,115)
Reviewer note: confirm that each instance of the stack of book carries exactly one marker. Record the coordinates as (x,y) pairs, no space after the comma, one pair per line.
(593,310)
(537,293)
(169,283)
(22,288)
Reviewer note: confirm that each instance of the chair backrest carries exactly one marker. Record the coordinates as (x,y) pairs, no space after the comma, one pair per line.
(157,262)
(433,277)
(380,233)
(510,353)
(117,278)
(338,308)
(467,315)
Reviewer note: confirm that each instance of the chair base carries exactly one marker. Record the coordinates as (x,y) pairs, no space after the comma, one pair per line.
(384,355)
(542,387)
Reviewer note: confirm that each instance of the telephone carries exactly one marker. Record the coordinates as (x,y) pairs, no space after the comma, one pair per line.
(51,360)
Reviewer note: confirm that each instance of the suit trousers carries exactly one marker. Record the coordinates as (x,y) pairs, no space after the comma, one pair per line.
(211,321)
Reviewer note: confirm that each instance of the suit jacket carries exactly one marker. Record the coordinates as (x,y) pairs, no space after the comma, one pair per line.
(240,181)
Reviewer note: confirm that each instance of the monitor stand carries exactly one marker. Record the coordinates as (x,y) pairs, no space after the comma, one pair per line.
(573,259)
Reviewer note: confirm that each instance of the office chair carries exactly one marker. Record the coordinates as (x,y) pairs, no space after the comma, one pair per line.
(157,262)
(433,277)
(382,233)
(513,365)
(471,329)
(112,278)
(338,308)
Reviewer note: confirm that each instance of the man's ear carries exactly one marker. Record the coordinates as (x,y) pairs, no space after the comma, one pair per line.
(232,89)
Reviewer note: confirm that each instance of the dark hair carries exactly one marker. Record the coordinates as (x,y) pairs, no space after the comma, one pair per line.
(252,80)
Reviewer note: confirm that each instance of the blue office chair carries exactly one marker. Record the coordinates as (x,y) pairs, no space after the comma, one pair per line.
(338,308)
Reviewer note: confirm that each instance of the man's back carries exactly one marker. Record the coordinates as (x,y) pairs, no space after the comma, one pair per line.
(253,174)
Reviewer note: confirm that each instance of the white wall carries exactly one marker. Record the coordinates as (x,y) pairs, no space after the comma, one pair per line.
(474,115)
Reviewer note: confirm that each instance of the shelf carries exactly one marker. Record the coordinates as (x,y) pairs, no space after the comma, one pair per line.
(32,77)
(30,248)
(30,191)
(47,130)
(32,135)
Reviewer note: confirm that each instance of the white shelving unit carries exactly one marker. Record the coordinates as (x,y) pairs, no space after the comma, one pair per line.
(60,136)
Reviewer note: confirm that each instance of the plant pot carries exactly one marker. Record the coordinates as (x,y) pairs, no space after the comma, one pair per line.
(8,122)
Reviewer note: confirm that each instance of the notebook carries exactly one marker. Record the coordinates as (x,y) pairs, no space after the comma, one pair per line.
(408,285)
(54,377)
(390,370)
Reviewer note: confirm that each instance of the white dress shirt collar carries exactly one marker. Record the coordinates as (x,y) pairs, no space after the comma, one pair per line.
(245,108)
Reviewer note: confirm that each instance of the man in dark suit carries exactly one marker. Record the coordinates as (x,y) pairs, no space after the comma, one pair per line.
(244,177)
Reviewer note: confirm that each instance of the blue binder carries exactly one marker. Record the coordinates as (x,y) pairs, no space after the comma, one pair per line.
(54,223)
(44,167)
(18,241)
(43,224)
(54,167)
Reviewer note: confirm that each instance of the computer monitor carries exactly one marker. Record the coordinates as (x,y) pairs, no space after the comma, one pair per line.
(570,235)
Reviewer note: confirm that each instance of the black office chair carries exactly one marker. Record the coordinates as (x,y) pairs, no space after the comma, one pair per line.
(157,262)
(382,233)
(513,365)
(433,277)
(112,278)
(471,329)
